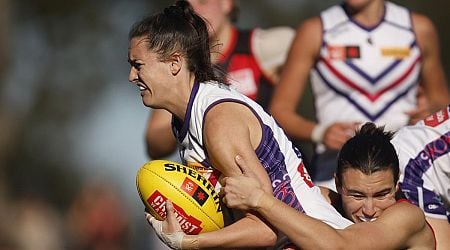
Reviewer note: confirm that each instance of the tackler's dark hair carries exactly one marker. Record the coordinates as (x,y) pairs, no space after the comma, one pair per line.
(369,151)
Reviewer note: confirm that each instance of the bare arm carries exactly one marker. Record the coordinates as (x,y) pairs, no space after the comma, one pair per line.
(433,80)
(400,226)
(159,138)
(441,228)
(289,91)
(230,129)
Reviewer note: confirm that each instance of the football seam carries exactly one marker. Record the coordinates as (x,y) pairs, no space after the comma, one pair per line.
(182,193)
(141,195)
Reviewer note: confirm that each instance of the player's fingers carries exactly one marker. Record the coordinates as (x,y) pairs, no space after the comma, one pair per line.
(172,221)
(156,224)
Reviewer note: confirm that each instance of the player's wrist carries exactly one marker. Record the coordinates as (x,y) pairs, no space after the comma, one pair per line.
(318,133)
(263,201)
(190,242)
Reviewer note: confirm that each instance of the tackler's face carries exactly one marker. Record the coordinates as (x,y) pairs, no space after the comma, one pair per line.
(147,72)
(365,197)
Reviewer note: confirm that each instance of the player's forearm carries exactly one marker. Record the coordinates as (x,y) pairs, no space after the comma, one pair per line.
(160,143)
(291,122)
(301,229)
(245,233)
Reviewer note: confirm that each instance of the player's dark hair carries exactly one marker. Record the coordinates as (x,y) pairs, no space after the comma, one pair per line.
(179,29)
(369,151)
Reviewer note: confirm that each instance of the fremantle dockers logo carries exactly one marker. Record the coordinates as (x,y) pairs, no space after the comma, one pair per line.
(195,191)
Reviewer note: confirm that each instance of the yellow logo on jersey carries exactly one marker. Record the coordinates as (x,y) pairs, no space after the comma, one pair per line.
(198,167)
(396,52)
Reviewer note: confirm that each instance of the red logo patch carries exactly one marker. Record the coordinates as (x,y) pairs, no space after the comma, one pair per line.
(437,118)
(343,52)
(189,224)
(304,174)
(194,191)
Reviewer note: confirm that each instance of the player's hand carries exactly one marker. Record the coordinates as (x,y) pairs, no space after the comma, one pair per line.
(242,192)
(338,133)
(169,230)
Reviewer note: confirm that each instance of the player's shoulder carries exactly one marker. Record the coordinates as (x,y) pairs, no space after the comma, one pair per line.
(407,214)
(311,24)
(422,24)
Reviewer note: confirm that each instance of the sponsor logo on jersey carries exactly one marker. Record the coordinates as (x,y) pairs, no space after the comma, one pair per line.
(304,174)
(433,206)
(343,52)
(194,191)
(199,167)
(396,52)
(188,223)
(437,118)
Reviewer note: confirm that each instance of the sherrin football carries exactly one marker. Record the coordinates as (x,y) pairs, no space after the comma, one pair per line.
(196,204)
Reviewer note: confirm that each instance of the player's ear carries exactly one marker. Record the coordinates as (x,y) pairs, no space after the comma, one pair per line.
(175,63)
(337,183)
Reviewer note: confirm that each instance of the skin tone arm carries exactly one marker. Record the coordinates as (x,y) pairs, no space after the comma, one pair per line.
(433,80)
(441,229)
(401,226)
(287,95)
(159,137)
(230,129)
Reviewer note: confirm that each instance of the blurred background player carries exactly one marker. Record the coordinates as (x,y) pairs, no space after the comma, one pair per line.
(366,180)
(424,154)
(367,59)
(252,59)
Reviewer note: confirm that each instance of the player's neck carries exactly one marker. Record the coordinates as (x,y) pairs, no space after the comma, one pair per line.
(368,15)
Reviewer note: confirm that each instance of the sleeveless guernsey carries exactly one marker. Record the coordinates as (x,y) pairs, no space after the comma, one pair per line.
(280,158)
(424,155)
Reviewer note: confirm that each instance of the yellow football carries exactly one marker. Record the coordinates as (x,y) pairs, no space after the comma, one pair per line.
(196,203)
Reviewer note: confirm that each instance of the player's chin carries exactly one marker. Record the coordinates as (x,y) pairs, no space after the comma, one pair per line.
(147,99)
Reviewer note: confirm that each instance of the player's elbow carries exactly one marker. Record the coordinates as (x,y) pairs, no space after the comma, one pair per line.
(268,239)
(158,152)
(276,111)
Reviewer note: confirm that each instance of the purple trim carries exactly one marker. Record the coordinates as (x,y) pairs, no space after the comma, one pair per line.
(369,29)
(228,100)
(187,117)
(416,167)
(359,107)
(374,80)
(271,157)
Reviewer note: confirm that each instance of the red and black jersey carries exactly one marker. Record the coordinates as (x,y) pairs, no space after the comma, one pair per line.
(243,70)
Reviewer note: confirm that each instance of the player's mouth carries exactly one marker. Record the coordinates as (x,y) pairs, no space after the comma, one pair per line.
(365,219)
(141,87)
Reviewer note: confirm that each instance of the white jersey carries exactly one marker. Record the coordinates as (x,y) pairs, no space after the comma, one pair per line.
(424,155)
(281,159)
(366,73)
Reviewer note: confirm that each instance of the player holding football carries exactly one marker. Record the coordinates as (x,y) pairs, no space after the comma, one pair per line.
(169,54)
(366,179)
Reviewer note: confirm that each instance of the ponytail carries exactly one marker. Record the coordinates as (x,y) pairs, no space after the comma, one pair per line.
(179,29)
